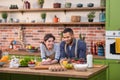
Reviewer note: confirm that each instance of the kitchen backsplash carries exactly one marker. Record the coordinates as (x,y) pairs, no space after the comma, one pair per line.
(34,34)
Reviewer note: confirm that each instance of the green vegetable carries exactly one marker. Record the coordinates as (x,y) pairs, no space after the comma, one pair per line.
(24,61)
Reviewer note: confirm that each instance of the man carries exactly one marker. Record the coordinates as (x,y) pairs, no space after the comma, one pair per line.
(71,47)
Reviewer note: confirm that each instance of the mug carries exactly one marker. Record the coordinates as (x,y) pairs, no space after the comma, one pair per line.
(56,20)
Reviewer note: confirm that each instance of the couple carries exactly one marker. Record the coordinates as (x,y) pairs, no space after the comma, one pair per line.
(69,48)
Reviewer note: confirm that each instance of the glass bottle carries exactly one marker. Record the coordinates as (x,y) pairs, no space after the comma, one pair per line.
(89,59)
(102,16)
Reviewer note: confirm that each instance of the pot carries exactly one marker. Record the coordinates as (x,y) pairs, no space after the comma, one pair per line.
(56,5)
(68,5)
(79,5)
(90,5)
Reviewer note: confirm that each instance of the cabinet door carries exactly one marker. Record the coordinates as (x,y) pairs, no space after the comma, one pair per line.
(113,15)
(54,78)
(113,70)
(24,77)
(4,76)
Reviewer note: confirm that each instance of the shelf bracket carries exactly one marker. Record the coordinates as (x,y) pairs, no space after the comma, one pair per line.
(65,12)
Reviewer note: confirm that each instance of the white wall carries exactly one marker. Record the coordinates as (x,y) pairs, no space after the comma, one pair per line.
(49,4)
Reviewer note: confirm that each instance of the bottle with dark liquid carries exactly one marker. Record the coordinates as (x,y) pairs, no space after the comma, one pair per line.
(92,48)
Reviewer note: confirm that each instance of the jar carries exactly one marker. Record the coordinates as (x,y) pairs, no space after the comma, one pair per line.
(90,60)
(102,17)
(100,51)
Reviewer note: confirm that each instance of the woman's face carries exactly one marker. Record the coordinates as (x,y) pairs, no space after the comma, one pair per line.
(49,43)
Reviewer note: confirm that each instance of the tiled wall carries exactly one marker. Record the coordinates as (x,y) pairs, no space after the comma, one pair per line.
(34,34)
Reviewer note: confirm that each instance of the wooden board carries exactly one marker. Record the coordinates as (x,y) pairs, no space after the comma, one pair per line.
(41,67)
(97,65)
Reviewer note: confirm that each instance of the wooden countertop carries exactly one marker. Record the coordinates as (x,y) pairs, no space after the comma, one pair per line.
(68,73)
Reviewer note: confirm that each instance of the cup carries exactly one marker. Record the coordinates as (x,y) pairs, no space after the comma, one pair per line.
(55,20)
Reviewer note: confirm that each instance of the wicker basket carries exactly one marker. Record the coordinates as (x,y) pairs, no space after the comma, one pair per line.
(75,18)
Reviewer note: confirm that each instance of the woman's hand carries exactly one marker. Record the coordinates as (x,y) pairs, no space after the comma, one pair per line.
(46,62)
(54,61)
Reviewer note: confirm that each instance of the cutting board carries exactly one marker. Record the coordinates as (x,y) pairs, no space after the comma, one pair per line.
(97,65)
(41,67)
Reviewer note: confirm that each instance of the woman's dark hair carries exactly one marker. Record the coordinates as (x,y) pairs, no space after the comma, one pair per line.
(47,36)
(68,30)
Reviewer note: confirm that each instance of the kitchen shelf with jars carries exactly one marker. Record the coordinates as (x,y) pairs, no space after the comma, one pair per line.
(75,20)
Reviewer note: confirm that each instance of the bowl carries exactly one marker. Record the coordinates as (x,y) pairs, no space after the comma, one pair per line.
(31,65)
(1,64)
(80,67)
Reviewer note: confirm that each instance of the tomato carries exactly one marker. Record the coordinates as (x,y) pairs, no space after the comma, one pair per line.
(78,62)
(72,60)
(31,62)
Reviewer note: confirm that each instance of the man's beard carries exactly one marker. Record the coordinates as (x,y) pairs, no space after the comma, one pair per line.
(71,41)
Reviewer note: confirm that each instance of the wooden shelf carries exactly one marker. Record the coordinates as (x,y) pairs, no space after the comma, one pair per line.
(53,9)
(53,24)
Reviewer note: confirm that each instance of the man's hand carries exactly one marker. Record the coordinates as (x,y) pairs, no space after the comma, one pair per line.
(64,59)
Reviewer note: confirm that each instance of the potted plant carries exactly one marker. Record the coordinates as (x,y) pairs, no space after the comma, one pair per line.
(43,16)
(41,2)
(4,16)
(91,16)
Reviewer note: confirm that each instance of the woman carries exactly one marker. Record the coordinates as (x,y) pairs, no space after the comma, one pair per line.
(50,51)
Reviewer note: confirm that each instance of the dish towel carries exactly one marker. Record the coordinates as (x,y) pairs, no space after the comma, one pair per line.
(117,45)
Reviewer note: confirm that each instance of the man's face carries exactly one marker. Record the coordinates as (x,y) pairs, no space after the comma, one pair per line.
(68,37)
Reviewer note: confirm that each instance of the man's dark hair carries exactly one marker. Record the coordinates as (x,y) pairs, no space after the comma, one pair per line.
(68,30)
(47,36)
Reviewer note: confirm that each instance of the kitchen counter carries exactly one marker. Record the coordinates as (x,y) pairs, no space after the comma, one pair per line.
(25,53)
(87,75)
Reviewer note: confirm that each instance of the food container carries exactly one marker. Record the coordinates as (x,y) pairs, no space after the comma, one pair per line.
(80,67)
(75,18)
